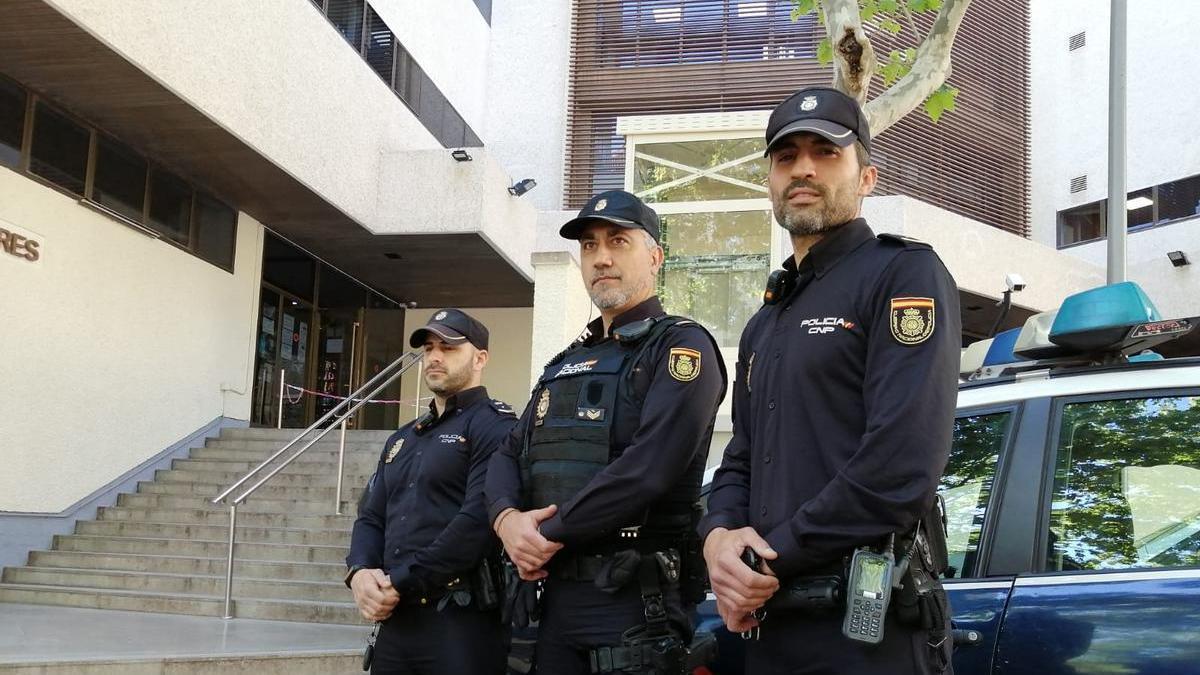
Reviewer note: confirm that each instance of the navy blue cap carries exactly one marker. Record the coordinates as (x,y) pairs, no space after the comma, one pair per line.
(452,326)
(824,111)
(617,207)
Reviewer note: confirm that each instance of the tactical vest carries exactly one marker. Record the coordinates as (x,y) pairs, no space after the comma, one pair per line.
(579,400)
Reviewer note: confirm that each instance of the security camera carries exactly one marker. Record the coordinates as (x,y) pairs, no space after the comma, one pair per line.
(1014,282)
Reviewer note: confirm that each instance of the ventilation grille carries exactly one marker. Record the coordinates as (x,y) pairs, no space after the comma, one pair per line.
(1078,184)
(1077,41)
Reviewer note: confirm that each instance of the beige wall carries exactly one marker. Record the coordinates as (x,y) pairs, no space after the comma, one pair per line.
(116,345)
(510,330)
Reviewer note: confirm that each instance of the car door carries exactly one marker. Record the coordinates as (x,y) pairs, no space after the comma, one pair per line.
(1116,581)
(979,459)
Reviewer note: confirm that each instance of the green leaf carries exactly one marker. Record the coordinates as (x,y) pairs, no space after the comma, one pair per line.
(868,9)
(825,52)
(918,5)
(891,25)
(802,7)
(889,6)
(941,101)
(894,69)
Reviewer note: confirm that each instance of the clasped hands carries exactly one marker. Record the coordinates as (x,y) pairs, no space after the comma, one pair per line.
(739,590)
(525,545)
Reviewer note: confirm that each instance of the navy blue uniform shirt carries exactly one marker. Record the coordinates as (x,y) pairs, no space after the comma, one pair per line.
(424,520)
(657,446)
(843,402)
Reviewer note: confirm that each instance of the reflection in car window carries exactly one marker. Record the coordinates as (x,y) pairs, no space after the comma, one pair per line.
(967,485)
(1127,485)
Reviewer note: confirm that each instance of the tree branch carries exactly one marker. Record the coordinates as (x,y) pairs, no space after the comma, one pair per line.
(853,58)
(912,23)
(929,71)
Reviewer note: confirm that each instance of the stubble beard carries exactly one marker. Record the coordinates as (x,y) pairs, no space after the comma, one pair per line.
(837,206)
(452,383)
(612,298)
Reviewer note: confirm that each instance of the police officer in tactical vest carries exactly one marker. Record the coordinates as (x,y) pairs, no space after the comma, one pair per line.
(596,495)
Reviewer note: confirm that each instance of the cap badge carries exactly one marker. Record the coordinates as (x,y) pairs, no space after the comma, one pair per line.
(439,316)
(808,103)
(601,204)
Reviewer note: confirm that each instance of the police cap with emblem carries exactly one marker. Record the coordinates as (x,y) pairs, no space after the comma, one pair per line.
(452,326)
(617,207)
(823,111)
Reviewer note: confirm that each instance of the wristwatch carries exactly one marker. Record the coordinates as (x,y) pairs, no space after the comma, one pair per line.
(354,569)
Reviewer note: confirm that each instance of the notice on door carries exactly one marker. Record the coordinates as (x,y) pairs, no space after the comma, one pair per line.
(20,246)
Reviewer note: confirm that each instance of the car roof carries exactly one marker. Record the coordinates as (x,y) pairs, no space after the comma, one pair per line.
(1165,374)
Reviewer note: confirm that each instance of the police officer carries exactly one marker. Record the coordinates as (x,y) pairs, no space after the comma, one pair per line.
(422,555)
(595,491)
(843,409)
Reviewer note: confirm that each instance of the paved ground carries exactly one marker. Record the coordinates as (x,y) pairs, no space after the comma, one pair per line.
(36,633)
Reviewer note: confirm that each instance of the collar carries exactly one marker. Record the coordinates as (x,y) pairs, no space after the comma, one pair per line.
(457,401)
(648,308)
(827,252)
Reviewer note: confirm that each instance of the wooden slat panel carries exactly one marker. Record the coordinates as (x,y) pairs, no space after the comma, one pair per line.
(975,162)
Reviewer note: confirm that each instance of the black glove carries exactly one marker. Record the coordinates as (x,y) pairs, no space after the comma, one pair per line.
(618,571)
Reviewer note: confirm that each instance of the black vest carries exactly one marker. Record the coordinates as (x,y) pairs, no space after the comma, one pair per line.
(580,399)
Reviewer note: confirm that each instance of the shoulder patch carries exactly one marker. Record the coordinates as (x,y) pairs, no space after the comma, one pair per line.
(502,407)
(902,240)
(683,364)
(911,320)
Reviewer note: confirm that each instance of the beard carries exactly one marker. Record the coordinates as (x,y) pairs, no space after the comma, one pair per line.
(452,382)
(838,204)
(618,296)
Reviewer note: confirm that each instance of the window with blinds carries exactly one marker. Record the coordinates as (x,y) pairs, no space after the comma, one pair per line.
(648,57)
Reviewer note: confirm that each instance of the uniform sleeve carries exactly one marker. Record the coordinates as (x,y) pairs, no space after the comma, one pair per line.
(503,486)
(729,496)
(676,422)
(366,539)
(909,394)
(468,536)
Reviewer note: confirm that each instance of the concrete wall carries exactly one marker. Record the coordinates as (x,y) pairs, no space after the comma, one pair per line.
(1174,290)
(450,39)
(1069,134)
(527,93)
(122,345)
(506,376)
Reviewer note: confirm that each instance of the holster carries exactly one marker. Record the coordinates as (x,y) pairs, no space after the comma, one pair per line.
(808,594)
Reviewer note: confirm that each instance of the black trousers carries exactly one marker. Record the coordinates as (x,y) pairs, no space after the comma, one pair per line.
(791,643)
(578,617)
(420,640)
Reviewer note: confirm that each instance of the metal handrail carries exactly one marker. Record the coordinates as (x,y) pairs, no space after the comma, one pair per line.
(352,403)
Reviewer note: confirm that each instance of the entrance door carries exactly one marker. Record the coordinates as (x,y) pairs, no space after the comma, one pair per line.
(282,350)
(339,350)
(383,341)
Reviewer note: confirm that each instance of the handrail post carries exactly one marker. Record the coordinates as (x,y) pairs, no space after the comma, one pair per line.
(229,562)
(282,373)
(337,505)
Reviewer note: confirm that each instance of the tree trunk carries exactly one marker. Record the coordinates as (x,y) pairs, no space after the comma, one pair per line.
(853,58)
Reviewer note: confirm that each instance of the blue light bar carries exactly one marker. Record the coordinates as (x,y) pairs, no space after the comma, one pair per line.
(1001,350)
(1100,318)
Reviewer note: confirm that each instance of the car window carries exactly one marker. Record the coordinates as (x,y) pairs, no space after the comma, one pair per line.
(967,482)
(1126,485)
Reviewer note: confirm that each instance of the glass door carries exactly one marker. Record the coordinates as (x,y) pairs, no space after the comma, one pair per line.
(282,349)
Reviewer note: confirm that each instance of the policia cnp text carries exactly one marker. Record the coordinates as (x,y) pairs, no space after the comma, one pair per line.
(596,494)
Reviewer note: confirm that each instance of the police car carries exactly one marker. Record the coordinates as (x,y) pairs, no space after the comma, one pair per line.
(1072,496)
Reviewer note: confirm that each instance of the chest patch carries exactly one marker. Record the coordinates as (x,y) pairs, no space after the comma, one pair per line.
(451,438)
(825,325)
(684,364)
(576,368)
(912,320)
(543,406)
(393,451)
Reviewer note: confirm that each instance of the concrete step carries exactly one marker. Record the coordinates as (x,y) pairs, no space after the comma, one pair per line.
(144,601)
(310,457)
(344,662)
(241,467)
(254,504)
(265,535)
(181,584)
(169,564)
(220,516)
(285,435)
(200,548)
(323,495)
(227,478)
(267,448)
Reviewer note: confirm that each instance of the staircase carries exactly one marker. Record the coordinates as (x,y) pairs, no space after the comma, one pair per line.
(163,548)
